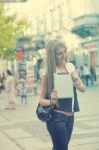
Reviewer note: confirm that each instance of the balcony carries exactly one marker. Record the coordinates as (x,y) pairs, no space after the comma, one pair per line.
(24,43)
(86,25)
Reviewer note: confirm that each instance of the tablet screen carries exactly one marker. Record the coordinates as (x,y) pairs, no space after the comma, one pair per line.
(64,85)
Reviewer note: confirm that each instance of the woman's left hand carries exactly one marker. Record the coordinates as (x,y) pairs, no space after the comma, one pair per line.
(78,82)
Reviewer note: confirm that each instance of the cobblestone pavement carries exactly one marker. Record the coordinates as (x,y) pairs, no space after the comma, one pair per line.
(21,130)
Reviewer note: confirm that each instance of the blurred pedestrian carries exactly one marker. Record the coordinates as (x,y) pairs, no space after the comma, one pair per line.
(11,91)
(42,70)
(61,125)
(82,74)
(1,83)
(23,93)
(87,74)
(92,74)
(4,80)
(97,72)
(35,89)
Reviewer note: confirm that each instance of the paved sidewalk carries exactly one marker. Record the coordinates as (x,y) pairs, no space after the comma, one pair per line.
(21,130)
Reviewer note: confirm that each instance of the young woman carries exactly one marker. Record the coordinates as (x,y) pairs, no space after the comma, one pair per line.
(61,126)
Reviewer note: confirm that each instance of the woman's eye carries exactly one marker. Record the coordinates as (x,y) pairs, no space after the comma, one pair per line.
(60,54)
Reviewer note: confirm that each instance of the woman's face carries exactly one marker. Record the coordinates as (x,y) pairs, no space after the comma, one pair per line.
(61,56)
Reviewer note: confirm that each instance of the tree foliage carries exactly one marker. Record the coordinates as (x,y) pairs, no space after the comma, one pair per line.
(10,29)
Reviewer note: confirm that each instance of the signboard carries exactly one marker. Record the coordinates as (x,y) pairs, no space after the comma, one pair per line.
(22,70)
(92,46)
(30,77)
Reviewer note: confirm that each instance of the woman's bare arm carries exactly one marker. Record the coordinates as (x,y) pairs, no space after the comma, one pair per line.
(78,82)
(53,96)
(43,101)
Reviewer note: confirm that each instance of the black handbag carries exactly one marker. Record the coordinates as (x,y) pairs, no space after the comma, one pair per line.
(44,113)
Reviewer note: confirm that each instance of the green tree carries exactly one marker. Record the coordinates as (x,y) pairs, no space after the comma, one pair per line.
(10,29)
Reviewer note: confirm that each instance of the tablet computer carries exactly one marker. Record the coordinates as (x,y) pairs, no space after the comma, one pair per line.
(64,85)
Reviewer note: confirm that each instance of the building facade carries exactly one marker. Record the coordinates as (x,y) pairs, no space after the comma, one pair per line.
(86,26)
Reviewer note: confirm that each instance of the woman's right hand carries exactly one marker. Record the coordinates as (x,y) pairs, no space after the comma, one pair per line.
(53,99)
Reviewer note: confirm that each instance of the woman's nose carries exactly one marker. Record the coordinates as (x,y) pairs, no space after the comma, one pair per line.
(63,54)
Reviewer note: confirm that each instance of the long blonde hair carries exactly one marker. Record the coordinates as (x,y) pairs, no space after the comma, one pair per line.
(51,49)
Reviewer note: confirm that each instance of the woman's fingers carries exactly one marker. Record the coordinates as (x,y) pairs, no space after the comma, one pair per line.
(54,94)
(54,97)
(54,91)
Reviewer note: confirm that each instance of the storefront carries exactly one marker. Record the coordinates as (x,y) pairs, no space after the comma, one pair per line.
(92,48)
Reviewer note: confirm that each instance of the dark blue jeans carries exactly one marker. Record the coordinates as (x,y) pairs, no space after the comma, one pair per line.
(60,129)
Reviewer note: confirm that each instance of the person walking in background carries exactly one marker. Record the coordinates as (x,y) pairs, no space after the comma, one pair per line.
(23,93)
(1,83)
(61,126)
(4,80)
(81,73)
(87,74)
(35,88)
(92,74)
(11,91)
(97,72)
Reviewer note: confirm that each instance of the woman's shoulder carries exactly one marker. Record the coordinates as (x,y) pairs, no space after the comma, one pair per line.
(70,67)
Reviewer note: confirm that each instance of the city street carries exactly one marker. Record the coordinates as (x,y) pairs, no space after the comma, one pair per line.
(21,130)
